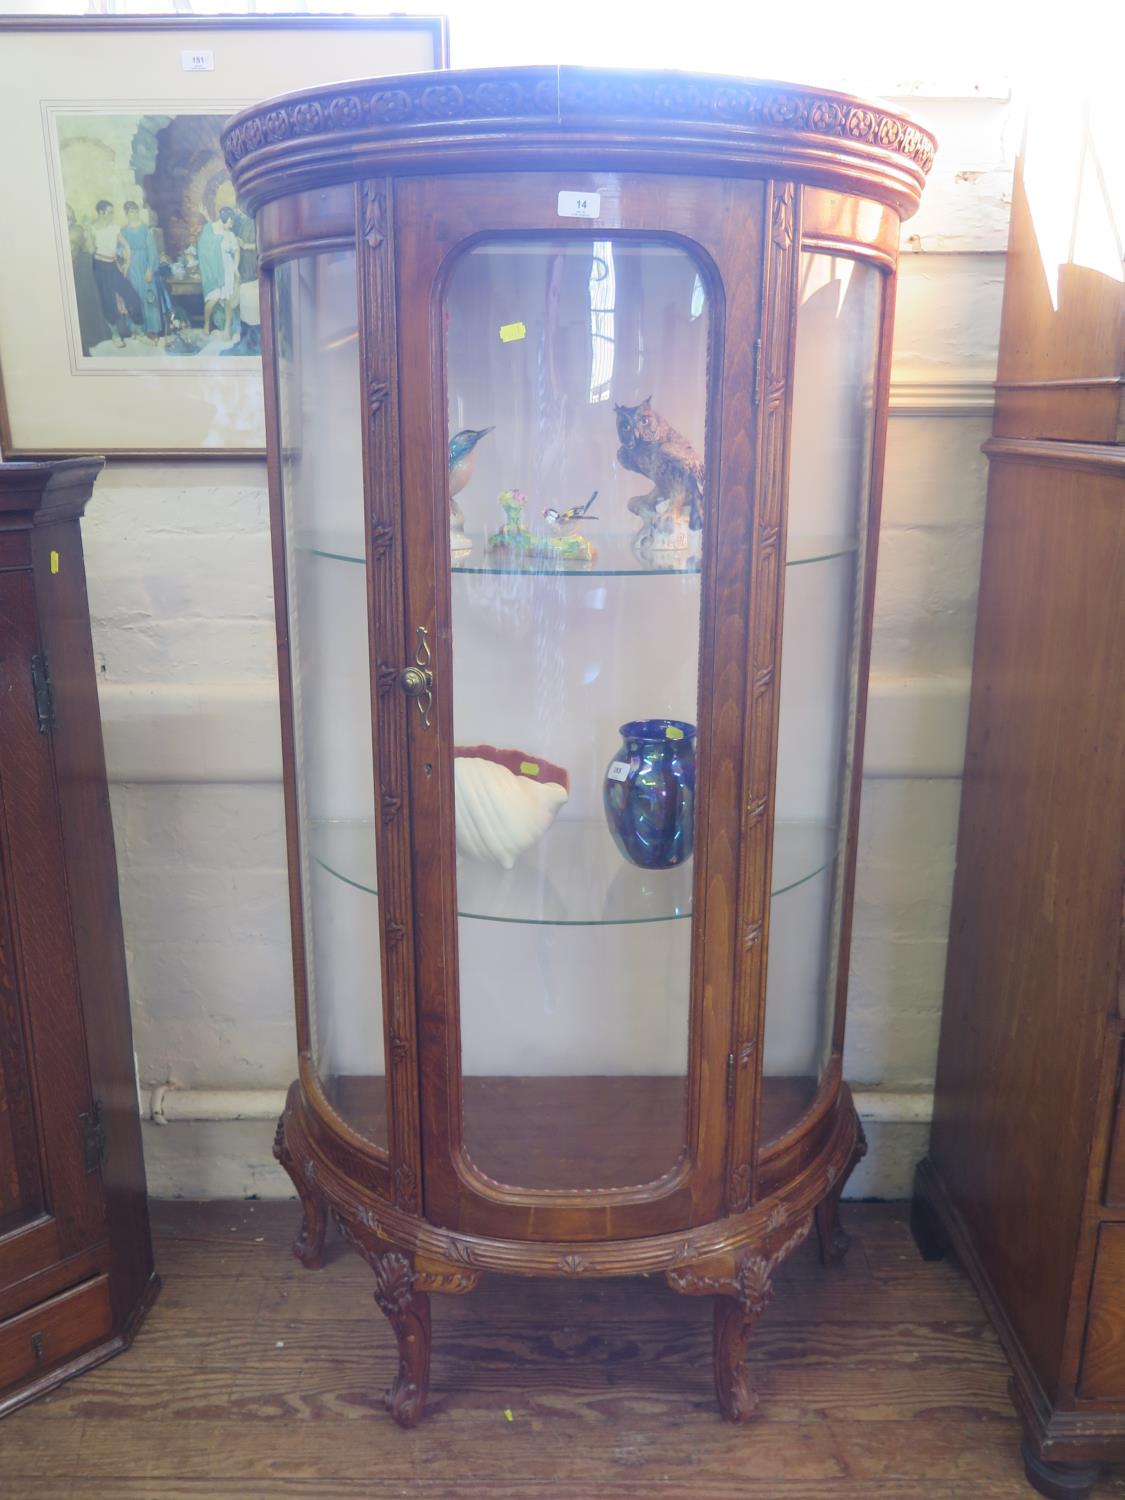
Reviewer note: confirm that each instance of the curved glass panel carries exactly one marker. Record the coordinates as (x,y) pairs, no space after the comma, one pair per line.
(322,494)
(829,482)
(577,374)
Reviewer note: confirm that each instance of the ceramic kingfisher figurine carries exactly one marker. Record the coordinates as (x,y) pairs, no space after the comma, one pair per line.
(462,455)
(673,508)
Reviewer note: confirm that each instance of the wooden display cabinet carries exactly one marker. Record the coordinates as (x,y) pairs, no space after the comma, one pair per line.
(580,1066)
(76,1272)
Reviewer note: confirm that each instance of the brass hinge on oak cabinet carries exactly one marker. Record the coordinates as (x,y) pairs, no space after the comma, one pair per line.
(730,1079)
(44,694)
(756,387)
(93,1138)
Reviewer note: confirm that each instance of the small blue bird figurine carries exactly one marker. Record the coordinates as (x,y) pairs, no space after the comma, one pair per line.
(462,454)
(462,450)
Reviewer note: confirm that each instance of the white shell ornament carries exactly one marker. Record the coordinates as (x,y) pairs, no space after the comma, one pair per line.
(501,812)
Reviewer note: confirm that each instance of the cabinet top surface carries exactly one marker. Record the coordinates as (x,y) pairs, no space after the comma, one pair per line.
(584,118)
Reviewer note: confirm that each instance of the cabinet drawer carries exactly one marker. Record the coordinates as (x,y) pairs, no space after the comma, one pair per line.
(54,1331)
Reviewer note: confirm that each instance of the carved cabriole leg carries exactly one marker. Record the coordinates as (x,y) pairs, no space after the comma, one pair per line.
(742,1284)
(830,1233)
(407,1310)
(734,1323)
(308,1247)
(403,1284)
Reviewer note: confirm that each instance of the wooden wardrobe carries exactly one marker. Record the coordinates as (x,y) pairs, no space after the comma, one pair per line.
(1026,1172)
(76,1270)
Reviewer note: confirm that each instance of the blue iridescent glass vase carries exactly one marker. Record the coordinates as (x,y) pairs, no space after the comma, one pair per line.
(649,793)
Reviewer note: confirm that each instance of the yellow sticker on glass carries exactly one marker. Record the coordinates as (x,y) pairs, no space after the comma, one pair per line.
(54,562)
(529,768)
(672,733)
(511,332)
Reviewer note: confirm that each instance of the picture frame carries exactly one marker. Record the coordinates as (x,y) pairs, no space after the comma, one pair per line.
(128,282)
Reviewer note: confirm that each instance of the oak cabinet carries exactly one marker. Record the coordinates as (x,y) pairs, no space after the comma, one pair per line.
(76,1269)
(1025,1175)
(576,405)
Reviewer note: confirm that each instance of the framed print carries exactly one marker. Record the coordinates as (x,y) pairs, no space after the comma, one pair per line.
(129,318)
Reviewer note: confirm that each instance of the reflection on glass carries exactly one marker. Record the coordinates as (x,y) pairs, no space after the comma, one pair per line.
(322,487)
(829,478)
(574,962)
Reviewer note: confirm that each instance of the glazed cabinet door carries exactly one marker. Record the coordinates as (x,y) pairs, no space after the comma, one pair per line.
(51,1203)
(579,369)
(842,324)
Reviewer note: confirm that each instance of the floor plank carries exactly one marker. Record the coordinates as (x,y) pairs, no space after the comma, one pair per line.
(256,1380)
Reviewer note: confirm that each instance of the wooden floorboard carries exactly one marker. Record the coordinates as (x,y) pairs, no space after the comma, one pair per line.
(256,1380)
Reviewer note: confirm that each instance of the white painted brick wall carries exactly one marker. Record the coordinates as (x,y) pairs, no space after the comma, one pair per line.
(179,575)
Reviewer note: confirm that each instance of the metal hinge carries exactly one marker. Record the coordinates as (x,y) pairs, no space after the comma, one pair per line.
(757,379)
(37,1347)
(93,1137)
(44,694)
(730,1079)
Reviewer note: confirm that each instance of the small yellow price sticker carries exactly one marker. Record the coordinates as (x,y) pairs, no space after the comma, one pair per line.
(529,768)
(672,733)
(54,562)
(510,333)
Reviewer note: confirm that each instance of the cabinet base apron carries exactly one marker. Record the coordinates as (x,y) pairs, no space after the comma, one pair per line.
(1065,1446)
(732,1260)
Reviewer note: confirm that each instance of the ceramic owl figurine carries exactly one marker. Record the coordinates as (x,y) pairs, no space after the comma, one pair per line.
(673,508)
(462,455)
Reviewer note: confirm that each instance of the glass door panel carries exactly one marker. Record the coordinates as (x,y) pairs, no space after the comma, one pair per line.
(577,383)
(840,304)
(330,678)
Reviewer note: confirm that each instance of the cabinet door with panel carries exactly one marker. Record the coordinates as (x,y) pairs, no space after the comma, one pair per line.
(75,1258)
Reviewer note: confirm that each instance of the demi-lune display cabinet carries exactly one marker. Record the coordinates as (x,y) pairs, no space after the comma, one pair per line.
(576,391)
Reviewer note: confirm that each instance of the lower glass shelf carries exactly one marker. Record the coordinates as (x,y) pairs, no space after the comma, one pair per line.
(574,876)
(615,558)
(571,1132)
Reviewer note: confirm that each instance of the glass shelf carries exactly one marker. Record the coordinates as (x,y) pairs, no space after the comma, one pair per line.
(616,557)
(574,876)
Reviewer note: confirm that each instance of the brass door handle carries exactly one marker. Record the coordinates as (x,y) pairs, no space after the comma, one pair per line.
(417,682)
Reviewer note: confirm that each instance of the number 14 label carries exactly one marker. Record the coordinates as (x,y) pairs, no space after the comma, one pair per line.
(580,205)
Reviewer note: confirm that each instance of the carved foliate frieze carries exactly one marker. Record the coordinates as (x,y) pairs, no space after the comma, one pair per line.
(374,217)
(382,535)
(739,1187)
(394,1281)
(406,1185)
(572,95)
(747,1277)
(751,934)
